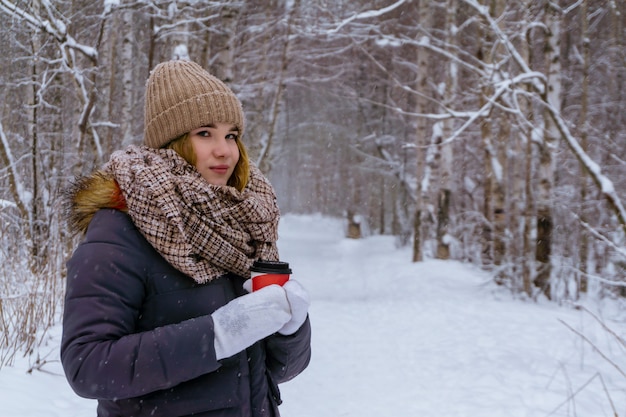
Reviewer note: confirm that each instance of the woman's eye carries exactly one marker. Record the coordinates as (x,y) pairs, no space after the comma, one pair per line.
(232,136)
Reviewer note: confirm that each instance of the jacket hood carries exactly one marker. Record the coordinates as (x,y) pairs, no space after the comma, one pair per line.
(86,195)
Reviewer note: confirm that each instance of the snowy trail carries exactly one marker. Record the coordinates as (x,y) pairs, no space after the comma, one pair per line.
(399,339)
(396,339)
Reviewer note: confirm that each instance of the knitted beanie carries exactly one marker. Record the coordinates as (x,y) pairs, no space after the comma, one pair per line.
(180,97)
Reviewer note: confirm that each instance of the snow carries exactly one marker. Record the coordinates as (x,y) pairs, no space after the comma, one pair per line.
(394,338)
(6,203)
(109,4)
(181,52)
(387,41)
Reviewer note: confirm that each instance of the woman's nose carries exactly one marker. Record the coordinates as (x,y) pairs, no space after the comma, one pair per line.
(221,147)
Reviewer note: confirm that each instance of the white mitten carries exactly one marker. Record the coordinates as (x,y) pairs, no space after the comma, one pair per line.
(248,319)
(299,302)
(247,285)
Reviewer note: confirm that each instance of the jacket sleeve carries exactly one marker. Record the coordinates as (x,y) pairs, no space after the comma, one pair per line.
(102,354)
(288,356)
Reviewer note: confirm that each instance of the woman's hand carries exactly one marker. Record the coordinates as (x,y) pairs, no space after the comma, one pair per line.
(299,303)
(248,319)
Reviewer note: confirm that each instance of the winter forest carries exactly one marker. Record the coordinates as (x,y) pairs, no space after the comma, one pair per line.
(485,131)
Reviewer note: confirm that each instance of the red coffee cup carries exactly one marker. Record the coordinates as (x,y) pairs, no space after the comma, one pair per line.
(266,273)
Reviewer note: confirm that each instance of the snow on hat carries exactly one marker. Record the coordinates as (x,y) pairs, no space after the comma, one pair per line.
(182,96)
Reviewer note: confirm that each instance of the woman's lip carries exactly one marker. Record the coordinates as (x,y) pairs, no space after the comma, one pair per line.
(220,169)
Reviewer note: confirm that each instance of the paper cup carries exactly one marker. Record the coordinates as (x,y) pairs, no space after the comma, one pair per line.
(266,273)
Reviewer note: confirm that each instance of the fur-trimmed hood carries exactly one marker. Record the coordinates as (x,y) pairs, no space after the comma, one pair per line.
(88,194)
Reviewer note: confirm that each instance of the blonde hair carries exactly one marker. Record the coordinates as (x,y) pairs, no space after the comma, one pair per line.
(241,174)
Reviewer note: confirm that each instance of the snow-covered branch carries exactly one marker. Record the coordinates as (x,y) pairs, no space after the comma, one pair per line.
(22,198)
(53,26)
(483,11)
(619,249)
(604,184)
(368,14)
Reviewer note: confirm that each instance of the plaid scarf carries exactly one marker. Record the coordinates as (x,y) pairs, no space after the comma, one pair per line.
(201,229)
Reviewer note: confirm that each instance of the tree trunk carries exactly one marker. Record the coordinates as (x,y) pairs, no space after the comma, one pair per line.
(494,207)
(422,195)
(547,163)
(528,208)
(128,76)
(583,248)
(115,29)
(528,264)
(264,162)
(486,238)
(446,152)
(225,50)
(499,200)
(36,223)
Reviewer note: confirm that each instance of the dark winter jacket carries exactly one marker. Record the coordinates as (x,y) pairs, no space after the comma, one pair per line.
(138,335)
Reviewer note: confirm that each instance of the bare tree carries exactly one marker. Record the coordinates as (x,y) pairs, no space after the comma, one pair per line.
(461,126)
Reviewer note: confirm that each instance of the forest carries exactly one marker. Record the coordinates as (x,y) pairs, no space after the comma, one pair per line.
(484,131)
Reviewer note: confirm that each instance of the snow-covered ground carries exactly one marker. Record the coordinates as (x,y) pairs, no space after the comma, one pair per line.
(396,339)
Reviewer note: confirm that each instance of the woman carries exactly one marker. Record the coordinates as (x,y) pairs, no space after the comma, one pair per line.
(157,321)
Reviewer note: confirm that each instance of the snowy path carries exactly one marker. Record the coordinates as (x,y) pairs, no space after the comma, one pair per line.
(397,339)
(393,338)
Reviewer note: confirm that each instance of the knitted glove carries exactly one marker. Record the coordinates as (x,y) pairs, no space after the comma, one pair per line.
(299,302)
(248,319)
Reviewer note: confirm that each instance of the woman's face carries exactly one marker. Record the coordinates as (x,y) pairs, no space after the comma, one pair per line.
(216,151)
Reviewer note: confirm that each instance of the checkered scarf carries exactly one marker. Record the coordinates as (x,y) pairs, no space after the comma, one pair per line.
(203,230)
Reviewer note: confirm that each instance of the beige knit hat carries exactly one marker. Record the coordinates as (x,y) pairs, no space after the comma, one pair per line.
(182,96)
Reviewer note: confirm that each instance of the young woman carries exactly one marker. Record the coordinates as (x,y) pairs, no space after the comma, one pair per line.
(157,321)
